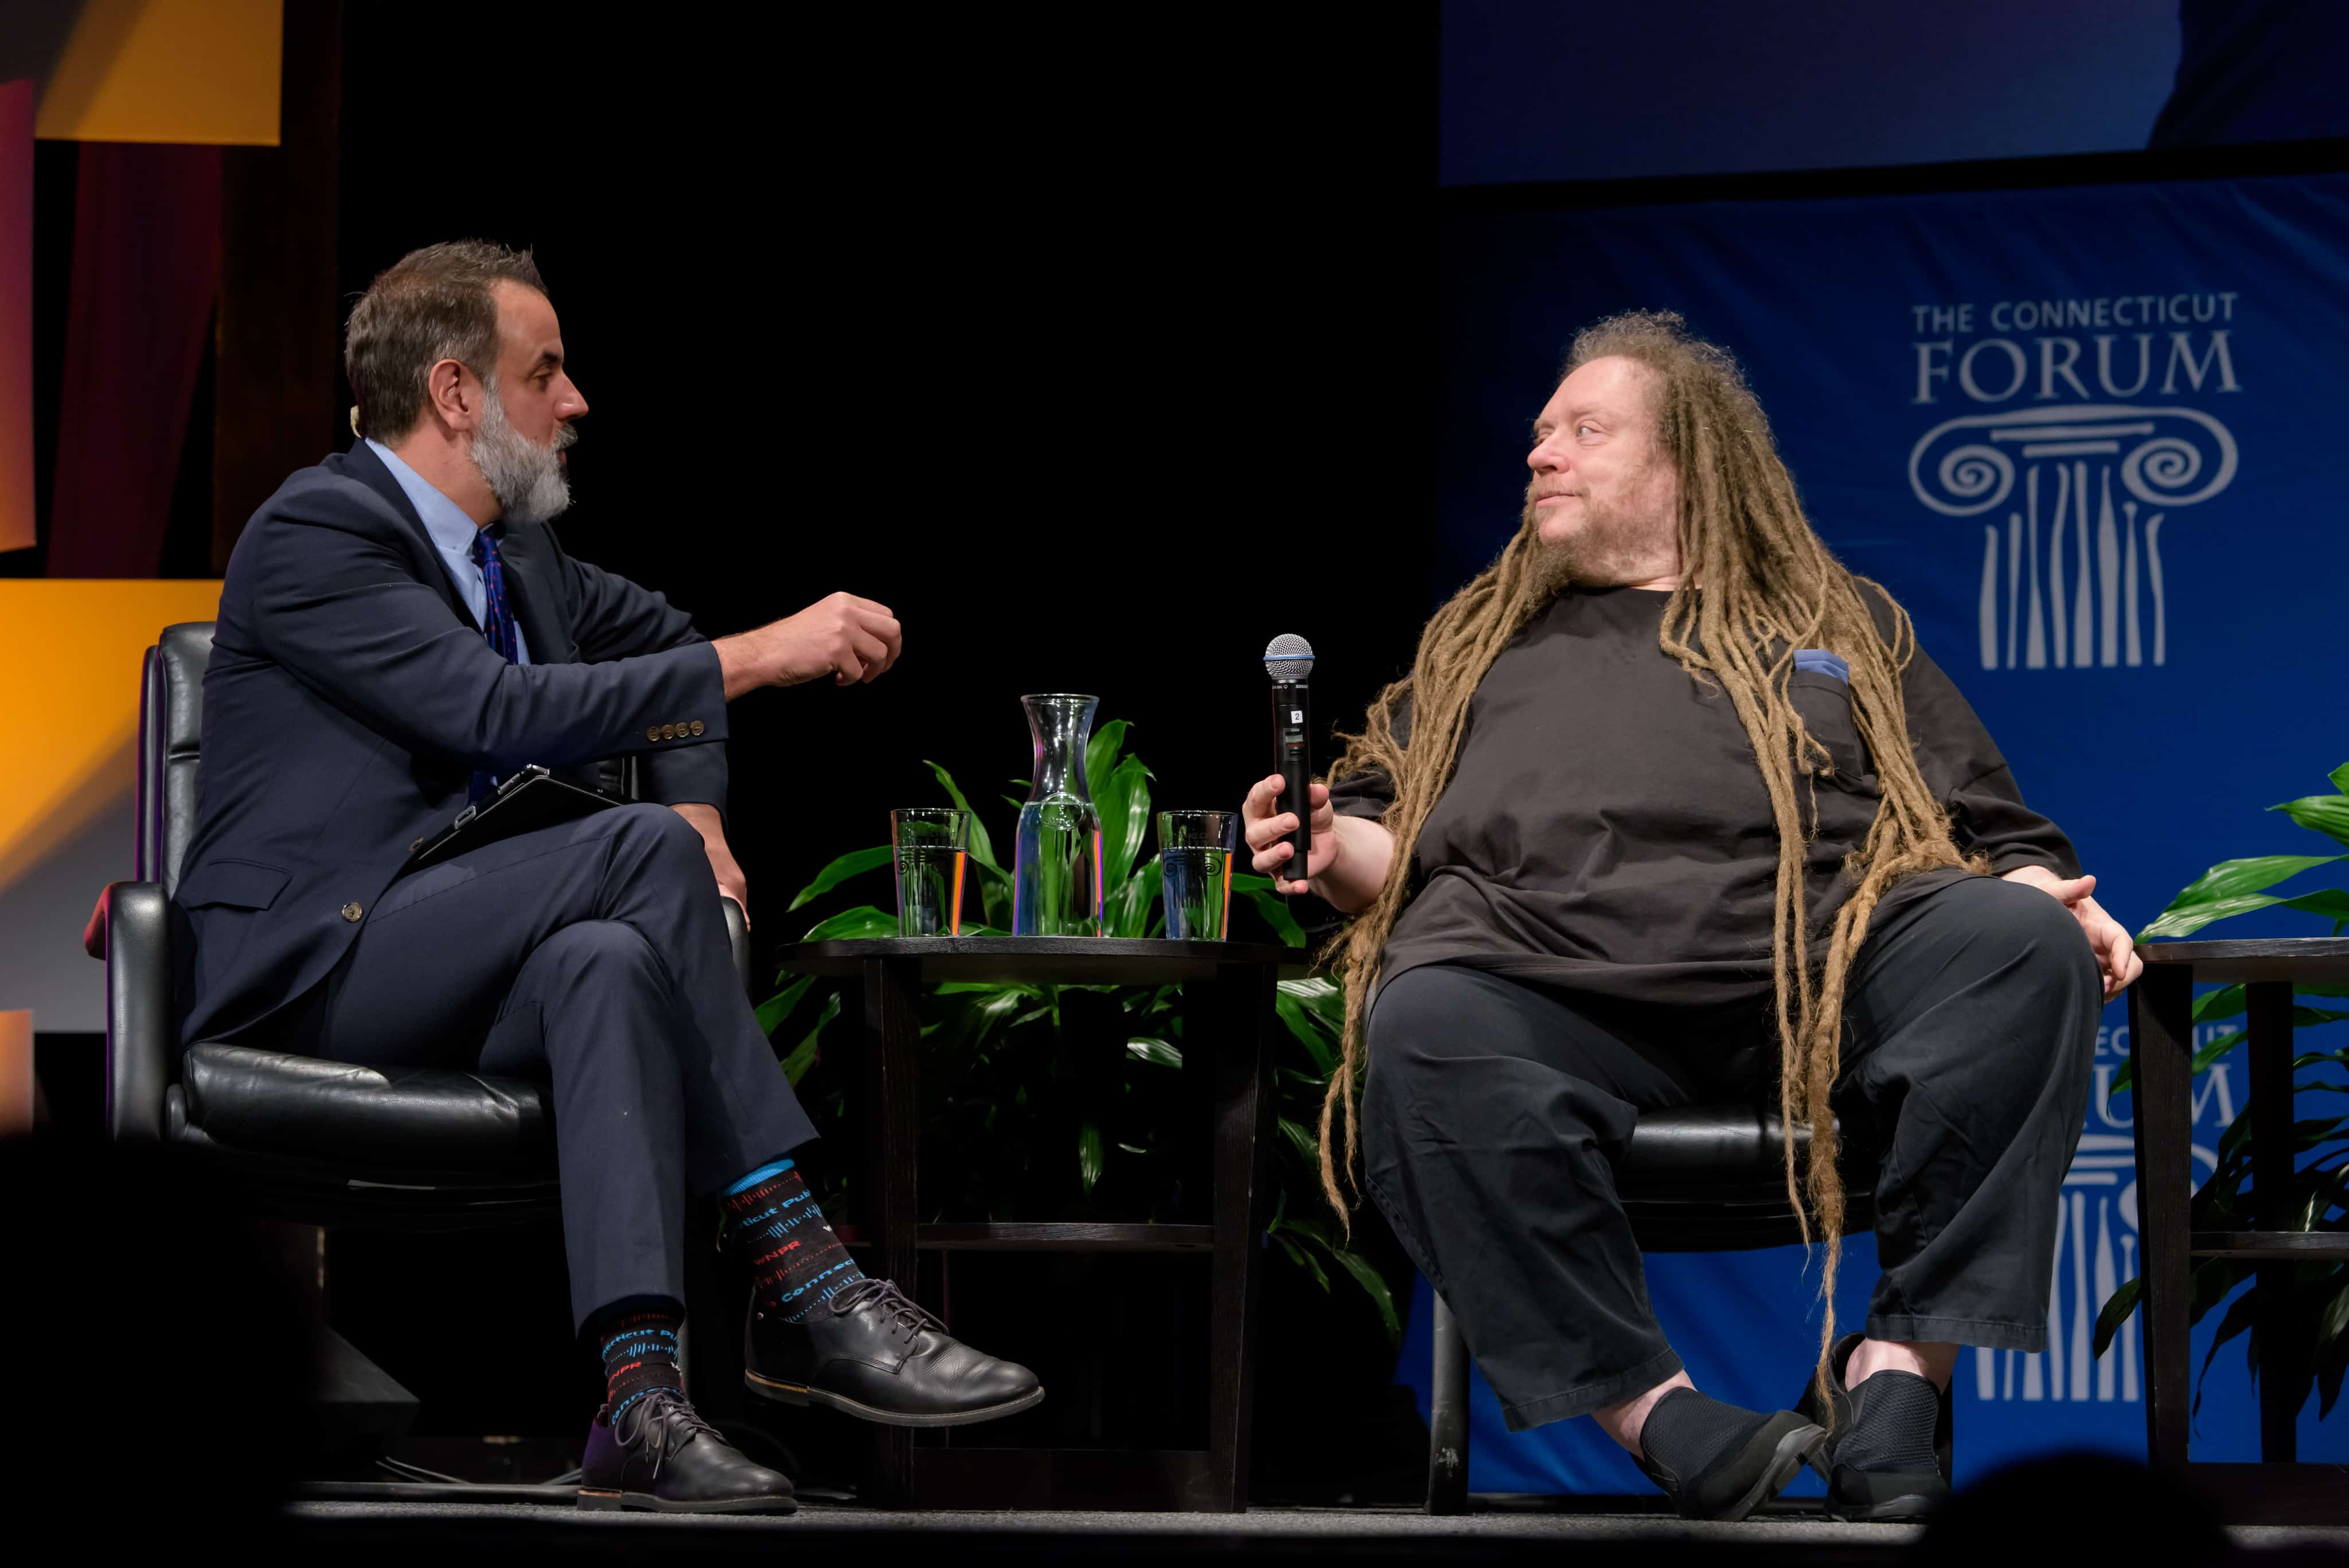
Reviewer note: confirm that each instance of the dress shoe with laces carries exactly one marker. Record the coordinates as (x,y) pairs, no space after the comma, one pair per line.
(661,1455)
(1910,1489)
(872,1353)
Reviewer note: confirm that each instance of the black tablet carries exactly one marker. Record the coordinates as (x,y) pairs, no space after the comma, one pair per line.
(527,801)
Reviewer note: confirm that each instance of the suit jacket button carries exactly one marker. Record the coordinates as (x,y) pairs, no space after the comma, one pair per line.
(668,731)
(653,733)
(699,726)
(351,912)
(414,845)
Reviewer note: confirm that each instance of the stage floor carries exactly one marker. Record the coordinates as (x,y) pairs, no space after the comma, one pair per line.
(1350,1533)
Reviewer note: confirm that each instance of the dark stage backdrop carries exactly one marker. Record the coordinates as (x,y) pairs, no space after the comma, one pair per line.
(2085,435)
(1101,366)
(1099,377)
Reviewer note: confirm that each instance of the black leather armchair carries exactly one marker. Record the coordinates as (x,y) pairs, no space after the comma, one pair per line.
(308,1141)
(1700,1179)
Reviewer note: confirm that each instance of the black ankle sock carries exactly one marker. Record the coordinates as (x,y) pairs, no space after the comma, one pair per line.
(1893,1415)
(640,1356)
(796,1263)
(1686,1430)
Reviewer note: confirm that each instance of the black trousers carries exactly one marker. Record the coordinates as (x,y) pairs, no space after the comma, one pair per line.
(1494,1111)
(594,953)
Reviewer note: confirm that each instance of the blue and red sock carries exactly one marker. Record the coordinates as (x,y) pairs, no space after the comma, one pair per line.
(796,1261)
(640,1356)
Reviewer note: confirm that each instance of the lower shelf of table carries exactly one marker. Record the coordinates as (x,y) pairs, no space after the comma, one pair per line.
(1063,1236)
(2281,1246)
(1127,1479)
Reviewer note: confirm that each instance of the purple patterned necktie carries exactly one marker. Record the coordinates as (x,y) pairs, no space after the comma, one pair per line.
(500,627)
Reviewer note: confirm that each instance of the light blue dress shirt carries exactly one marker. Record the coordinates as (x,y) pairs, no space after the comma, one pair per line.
(452,534)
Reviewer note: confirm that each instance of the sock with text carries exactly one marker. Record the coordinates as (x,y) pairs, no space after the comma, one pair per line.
(640,1356)
(796,1261)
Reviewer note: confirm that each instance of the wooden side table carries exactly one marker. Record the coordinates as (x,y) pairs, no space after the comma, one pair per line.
(2161,1052)
(1228,1030)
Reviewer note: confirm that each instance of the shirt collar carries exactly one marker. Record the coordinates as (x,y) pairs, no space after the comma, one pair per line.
(451,530)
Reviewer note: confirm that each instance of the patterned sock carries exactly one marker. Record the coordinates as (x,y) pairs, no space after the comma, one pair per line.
(796,1263)
(1892,1419)
(640,1356)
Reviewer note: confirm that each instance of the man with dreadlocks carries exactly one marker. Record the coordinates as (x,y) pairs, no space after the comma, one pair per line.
(1667,784)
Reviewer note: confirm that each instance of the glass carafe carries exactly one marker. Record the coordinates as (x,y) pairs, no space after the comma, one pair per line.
(1056,888)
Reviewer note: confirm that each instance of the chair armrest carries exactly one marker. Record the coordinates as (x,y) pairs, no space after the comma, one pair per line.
(93,935)
(738,940)
(133,930)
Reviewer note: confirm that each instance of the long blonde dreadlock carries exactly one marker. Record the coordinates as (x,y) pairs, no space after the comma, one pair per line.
(1769,587)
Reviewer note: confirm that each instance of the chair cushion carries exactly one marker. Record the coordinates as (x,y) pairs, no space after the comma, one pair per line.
(271,1102)
(1711,1143)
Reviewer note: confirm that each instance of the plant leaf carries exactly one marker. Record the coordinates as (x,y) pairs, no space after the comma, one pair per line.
(1323,996)
(2334,1319)
(1309,1033)
(1157,1052)
(2240,1317)
(2340,777)
(1127,910)
(808,1052)
(1302,1141)
(2224,1002)
(861,922)
(1303,1259)
(982,849)
(2175,922)
(2229,878)
(1271,906)
(1101,752)
(2116,1312)
(777,1007)
(1089,1155)
(1123,802)
(1368,1278)
(2327,814)
(853,863)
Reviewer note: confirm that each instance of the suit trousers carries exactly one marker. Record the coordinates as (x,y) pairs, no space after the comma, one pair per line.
(1496,1112)
(594,953)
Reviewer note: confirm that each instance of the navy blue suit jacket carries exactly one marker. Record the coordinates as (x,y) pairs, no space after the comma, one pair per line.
(351,697)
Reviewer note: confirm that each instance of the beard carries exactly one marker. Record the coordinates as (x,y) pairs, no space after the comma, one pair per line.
(527,478)
(1612,547)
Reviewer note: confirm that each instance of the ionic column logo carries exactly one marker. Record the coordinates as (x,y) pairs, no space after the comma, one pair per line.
(2078,581)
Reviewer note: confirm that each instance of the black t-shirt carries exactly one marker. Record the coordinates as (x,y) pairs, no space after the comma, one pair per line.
(1606,830)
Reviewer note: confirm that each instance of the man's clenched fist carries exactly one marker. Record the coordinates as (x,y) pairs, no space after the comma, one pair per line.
(849,639)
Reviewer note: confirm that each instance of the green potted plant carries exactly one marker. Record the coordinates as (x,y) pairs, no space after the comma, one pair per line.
(2320,1187)
(1043,1101)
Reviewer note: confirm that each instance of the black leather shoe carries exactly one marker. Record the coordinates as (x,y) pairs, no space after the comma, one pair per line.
(872,1353)
(664,1456)
(1750,1470)
(1854,1493)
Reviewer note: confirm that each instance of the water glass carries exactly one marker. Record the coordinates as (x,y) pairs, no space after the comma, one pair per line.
(930,842)
(1194,865)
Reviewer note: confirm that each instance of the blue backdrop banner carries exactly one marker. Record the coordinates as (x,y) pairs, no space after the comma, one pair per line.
(2087,437)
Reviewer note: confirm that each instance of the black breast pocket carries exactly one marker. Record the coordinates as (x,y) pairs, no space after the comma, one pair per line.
(1824,701)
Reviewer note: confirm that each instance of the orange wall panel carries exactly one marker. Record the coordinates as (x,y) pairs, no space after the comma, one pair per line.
(168,70)
(69,662)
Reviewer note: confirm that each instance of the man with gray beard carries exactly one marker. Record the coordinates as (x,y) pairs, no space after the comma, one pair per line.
(399,631)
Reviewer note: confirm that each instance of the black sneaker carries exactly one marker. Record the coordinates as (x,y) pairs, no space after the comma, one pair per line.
(1745,1459)
(1893,1480)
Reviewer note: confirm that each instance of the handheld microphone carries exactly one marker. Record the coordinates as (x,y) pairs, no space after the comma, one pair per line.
(1288,660)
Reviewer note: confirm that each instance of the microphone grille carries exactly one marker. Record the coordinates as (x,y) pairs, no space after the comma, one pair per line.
(1288,657)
